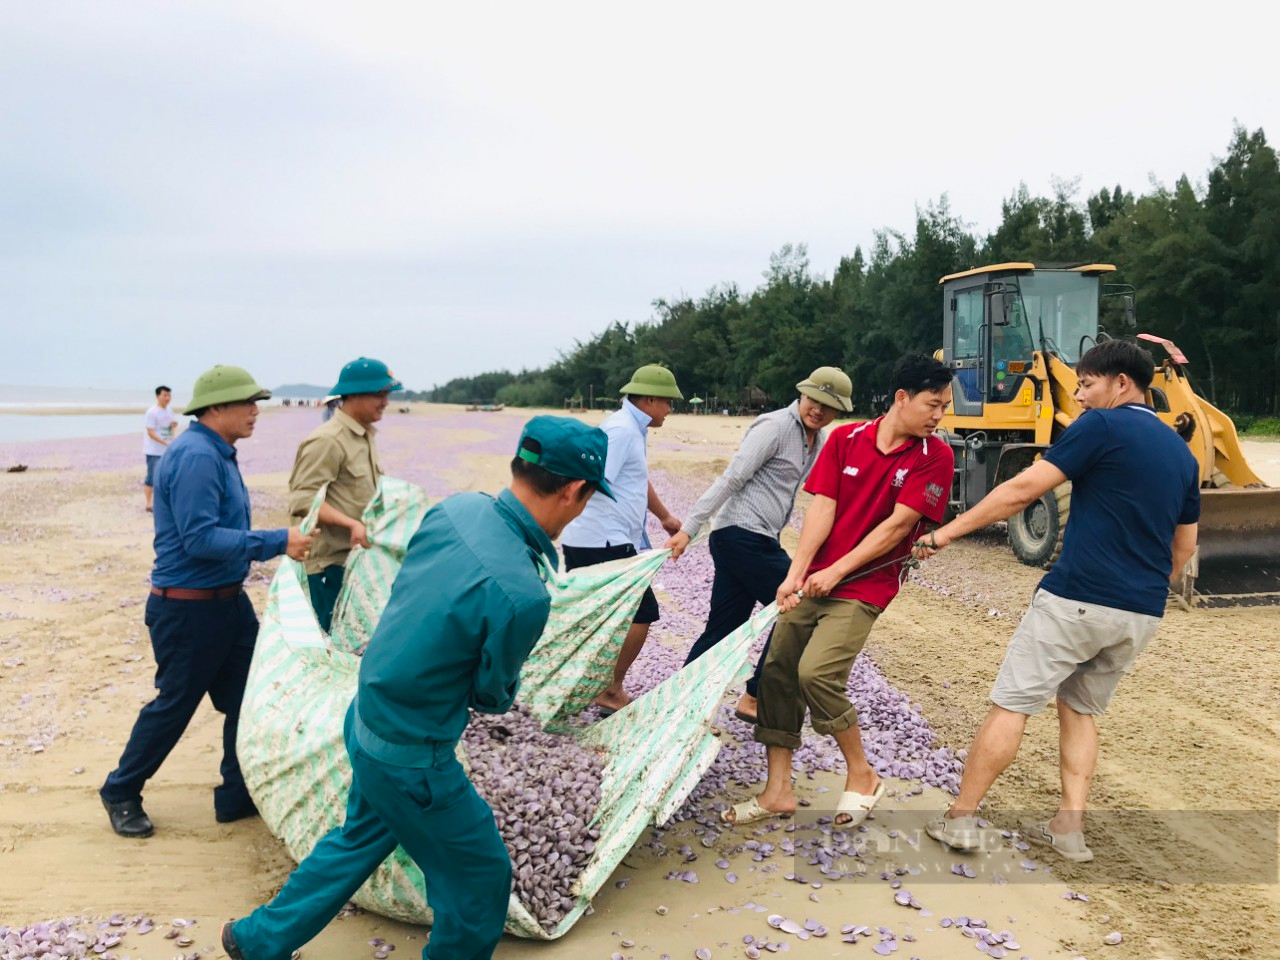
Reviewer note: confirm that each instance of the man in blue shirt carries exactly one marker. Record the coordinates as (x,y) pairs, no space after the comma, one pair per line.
(202,625)
(614,529)
(465,610)
(1135,503)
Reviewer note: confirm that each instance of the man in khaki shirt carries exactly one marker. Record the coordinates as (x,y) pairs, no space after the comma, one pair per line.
(341,453)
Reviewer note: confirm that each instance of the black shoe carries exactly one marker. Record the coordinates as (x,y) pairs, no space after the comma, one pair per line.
(129,819)
(229,945)
(246,809)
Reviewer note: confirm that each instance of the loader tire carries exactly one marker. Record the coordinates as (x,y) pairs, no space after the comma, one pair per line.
(1035,533)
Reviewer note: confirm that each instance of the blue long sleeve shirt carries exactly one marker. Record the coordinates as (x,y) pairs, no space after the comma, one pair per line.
(621,520)
(466,609)
(203,536)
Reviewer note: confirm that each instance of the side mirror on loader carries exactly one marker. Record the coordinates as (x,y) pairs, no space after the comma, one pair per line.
(1006,308)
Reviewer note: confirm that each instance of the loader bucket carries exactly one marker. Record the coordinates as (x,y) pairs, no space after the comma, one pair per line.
(1240,524)
(1238,559)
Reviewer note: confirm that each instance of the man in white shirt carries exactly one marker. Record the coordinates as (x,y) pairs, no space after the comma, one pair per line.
(159,425)
(615,529)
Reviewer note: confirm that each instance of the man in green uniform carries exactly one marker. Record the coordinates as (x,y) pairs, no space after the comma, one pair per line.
(341,453)
(466,609)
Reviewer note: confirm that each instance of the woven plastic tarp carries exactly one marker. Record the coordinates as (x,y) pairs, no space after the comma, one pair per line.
(302,681)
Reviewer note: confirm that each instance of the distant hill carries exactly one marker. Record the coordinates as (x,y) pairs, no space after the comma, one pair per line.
(300,391)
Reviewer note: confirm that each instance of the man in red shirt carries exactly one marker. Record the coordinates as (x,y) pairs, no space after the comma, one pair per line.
(874,485)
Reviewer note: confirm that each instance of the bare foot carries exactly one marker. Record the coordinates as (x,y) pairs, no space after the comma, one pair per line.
(864,782)
(612,700)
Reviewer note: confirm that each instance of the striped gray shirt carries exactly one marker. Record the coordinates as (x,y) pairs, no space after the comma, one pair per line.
(758,489)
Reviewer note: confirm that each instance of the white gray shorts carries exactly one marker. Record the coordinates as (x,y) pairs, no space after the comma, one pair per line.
(1074,651)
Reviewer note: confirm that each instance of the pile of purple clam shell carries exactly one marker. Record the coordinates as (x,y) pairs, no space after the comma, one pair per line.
(80,937)
(544,790)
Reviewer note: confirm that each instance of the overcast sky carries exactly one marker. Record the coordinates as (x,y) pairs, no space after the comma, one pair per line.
(468,186)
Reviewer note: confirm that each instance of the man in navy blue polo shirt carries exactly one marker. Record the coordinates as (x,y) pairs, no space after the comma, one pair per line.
(202,625)
(1135,503)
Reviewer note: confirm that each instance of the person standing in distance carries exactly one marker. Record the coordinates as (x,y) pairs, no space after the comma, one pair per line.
(754,499)
(612,529)
(341,453)
(158,428)
(203,627)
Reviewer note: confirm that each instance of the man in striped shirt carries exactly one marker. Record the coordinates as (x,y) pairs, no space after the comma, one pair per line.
(755,496)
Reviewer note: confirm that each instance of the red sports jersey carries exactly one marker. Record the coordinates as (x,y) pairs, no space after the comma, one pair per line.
(866,485)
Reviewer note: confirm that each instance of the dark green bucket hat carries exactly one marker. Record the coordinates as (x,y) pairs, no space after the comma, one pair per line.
(364,375)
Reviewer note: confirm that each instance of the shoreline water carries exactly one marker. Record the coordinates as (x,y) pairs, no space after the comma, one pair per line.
(26,428)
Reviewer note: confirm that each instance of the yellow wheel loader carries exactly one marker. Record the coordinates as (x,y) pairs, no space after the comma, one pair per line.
(1012,332)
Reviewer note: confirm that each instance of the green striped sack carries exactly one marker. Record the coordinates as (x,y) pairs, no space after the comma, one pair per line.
(302,681)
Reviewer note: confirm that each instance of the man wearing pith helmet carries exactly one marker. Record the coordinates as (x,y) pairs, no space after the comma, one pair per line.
(754,498)
(203,627)
(341,453)
(466,609)
(611,529)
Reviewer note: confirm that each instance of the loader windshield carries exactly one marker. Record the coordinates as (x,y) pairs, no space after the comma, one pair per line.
(1061,306)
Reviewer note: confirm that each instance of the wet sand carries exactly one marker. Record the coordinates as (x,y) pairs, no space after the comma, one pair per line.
(1196,729)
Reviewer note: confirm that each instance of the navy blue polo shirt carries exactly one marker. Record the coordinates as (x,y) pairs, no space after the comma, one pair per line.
(1133,481)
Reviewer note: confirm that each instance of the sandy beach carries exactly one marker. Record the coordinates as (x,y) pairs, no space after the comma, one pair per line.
(1184,828)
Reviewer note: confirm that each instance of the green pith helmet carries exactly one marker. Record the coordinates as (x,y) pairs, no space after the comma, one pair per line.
(831,387)
(653,380)
(223,384)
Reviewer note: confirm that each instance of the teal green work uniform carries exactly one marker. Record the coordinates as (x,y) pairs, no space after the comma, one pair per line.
(465,611)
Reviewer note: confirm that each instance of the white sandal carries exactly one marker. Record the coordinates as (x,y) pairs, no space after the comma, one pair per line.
(856,806)
(749,812)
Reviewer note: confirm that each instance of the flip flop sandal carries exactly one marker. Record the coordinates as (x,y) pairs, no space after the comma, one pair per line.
(750,811)
(746,717)
(856,806)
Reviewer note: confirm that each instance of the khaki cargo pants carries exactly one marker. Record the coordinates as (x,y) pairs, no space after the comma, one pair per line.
(810,658)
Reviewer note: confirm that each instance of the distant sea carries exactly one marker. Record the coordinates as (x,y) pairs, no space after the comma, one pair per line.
(53,413)
(19,420)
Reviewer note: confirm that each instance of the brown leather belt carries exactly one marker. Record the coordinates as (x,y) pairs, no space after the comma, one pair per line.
(182,593)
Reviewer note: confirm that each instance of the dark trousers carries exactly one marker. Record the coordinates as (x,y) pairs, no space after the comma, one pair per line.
(749,569)
(324,588)
(201,646)
(574,557)
(435,814)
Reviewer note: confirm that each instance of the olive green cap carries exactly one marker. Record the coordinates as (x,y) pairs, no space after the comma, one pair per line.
(829,386)
(223,384)
(653,380)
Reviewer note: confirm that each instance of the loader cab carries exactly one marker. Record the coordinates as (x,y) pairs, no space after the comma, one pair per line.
(996,318)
